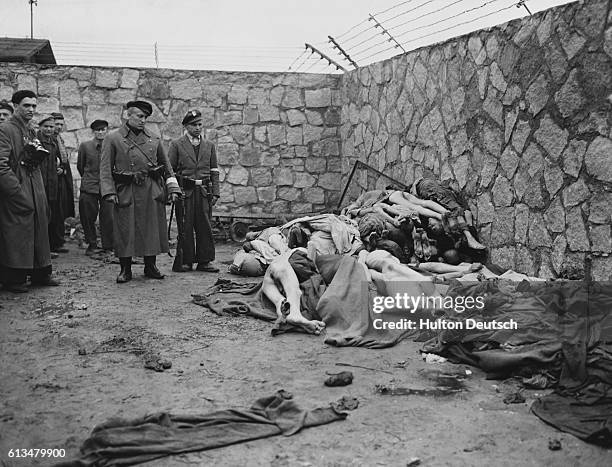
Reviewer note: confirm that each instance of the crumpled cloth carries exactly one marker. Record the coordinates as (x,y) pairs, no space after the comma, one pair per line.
(344,232)
(120,442)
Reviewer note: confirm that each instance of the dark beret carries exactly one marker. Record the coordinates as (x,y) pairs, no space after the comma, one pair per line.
(97,124)
(21,95)
(142,105)
(46,118)
(192,116)
(57,115)
(6,106)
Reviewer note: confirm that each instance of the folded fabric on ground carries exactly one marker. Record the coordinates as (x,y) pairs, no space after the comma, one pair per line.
(564,328)
(128,442)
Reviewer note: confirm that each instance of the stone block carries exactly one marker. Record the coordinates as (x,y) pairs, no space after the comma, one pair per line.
(570,98)
(70,94)
(266,193)
(558,253)
(312,133)
(552,138)
(276,135)
(314,195)
(47,86)
(533,196)
(331,117)
(492,140)
(157,88)
(318,97)
(230,117)
(555,216)
(288,194)
(292,98)
(259,133)
(503,257)
(250,115)
(488,169)
(304,180)
(502,192)
(537,94)
(509,161)
(270,159)
(106,78)
(486,210)
(129,78)
(294,135)
(27,82)
(601,269)
(73,118)
(295,117)
(573,157)
(111,113)
(329,181)
(502,231)
(524,261)
(510,121)
(245,195)
(121,96)
(238,175)
(520,135)
(521,223)
(576,234)
(186,89)
(268,113)
(533,161)
(601,241)
(597,159)
(261,176)
(237,94)
(601,208)
(250,156)
(283,176)
(575,193)
(553,177)
(227,153)
(538,233)
(241,134)
(315,165)
(276,95)
(46,105)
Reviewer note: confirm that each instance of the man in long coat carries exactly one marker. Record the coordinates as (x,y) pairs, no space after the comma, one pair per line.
(24,240)
(134,175)
(65,185)
(194,159)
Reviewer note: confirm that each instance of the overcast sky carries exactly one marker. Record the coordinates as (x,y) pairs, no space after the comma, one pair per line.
(245,34)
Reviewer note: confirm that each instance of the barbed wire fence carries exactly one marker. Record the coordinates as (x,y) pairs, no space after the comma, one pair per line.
(393,31)
(402,27)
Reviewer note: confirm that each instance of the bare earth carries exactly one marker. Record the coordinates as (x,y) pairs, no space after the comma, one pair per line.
(51,396)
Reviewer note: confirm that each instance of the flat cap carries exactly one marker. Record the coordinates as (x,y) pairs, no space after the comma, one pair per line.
(45,118)
(98,124)
(57,115)
(21,95)
(142,105)
(6,106)
(192,116)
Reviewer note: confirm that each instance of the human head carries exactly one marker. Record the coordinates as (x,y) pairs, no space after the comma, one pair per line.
(451,257)
(138,112)
(25,103)
(59,122)
(435,226)
(6,110)
(193,123)
(47,125)
(99,128)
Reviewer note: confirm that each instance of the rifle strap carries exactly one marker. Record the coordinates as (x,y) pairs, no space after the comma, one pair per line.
(170,226)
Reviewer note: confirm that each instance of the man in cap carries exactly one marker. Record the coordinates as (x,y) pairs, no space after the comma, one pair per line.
(50,169)
(90,200)
(194,159)
(6,110)
(134,175)
(24,240)
(65,187)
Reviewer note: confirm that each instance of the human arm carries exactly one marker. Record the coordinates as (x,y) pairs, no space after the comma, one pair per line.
(214,175)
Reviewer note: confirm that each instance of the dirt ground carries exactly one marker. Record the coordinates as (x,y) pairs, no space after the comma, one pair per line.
(52,395)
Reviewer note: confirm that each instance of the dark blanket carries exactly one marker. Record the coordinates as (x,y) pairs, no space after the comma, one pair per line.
(564,328)
(129,442)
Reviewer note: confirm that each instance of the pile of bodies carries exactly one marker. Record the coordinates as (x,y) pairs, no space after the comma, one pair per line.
(327,274)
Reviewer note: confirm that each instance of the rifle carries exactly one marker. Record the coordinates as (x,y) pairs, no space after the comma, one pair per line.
(180,226)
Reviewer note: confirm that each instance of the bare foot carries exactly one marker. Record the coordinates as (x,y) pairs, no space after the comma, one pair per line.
(475,267)
(472,242)
(310,326)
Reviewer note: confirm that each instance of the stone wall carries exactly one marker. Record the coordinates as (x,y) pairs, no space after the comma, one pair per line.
(276,134)
(518,117)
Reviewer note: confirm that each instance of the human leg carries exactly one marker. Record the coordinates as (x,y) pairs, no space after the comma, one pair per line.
(126,270)
(106,223)
(150,269)
(88,212)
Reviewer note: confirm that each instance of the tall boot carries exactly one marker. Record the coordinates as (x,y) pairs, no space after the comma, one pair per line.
(126,270)
(150,269)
